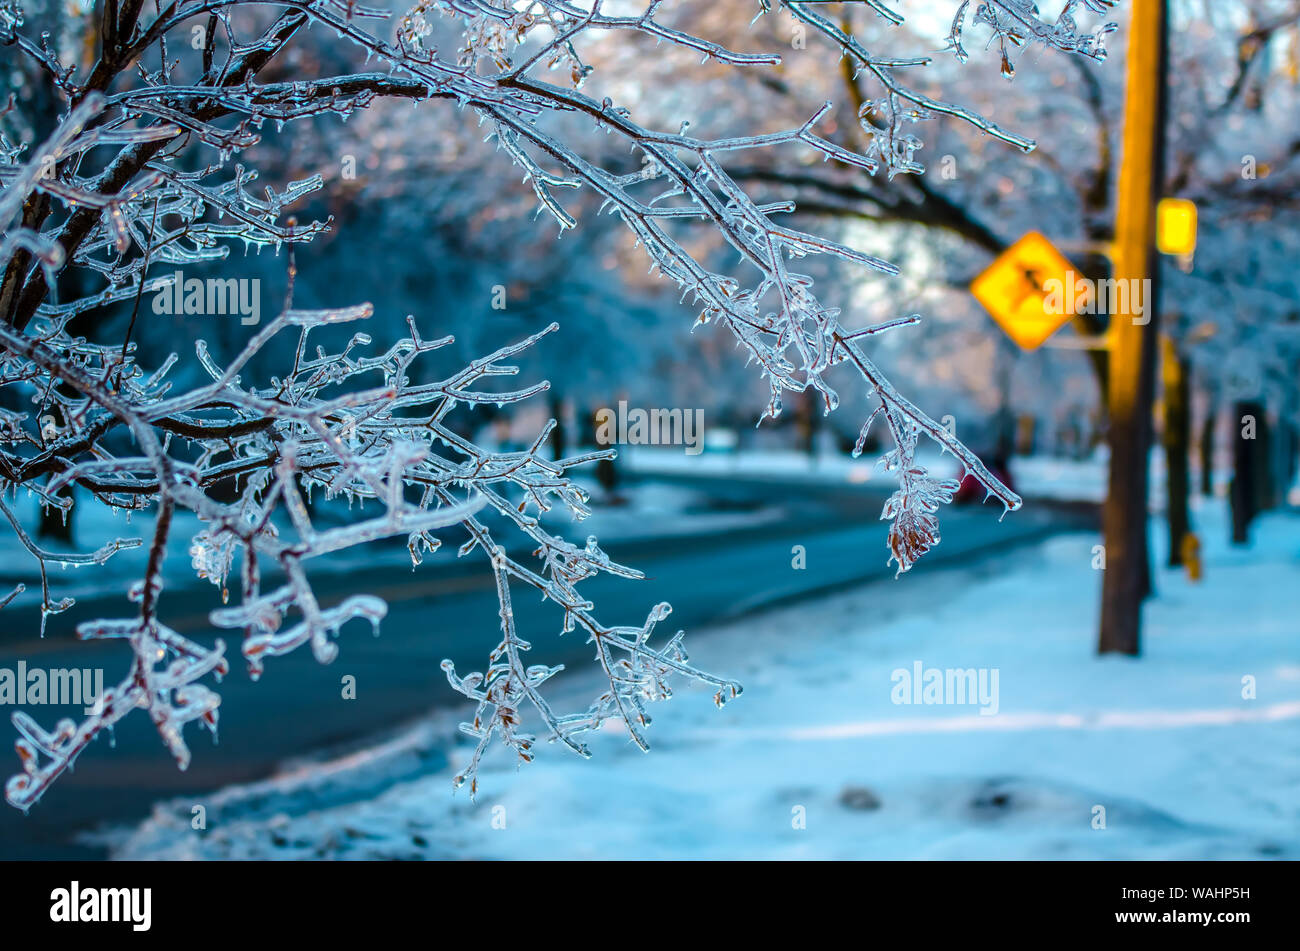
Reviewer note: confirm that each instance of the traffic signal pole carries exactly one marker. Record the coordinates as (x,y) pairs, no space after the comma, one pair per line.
(1134,332)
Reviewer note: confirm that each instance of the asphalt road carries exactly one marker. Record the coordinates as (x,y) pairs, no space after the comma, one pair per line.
(297,706)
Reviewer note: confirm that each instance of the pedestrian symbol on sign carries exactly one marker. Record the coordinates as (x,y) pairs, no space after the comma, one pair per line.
(1014,290)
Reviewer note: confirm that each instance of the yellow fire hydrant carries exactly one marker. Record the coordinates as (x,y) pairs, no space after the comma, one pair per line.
(1191,551)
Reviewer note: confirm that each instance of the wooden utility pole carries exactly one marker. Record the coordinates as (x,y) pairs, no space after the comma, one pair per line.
(1134,332)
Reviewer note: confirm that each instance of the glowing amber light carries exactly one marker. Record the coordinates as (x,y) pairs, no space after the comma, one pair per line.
(1176,227)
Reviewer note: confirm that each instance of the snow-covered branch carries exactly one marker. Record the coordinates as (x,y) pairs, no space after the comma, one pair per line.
(138,172)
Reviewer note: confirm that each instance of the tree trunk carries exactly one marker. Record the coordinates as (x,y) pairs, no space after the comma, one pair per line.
(1245,476)
(1208,427)
(1265,471)
(560,434)
(606,470)
(1290,462)
(1177,439)
(806,414)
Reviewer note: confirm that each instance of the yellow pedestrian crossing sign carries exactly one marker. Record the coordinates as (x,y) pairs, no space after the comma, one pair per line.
(1022,290)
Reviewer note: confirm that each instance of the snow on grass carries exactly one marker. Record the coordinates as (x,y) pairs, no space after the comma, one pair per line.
(1035,477)
(782,464)
(816,760)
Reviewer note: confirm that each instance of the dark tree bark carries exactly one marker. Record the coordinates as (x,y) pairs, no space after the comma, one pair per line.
(1244,495)
(1177,442)
(1266,474)
(560,434)
(806,419)
(1290,451)
(1208,427)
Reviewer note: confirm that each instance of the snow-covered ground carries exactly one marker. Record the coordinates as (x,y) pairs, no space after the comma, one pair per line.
(1192,751)
(1035,476)
(784,464)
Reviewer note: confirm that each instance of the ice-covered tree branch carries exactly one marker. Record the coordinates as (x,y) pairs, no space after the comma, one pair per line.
(139,172)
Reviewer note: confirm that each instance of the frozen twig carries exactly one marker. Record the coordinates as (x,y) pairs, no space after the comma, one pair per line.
(139,174)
